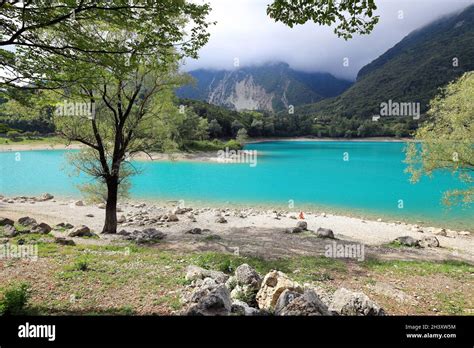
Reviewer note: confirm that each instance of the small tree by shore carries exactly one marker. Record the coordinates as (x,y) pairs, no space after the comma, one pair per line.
(127,119)
(124,99)
(446,139)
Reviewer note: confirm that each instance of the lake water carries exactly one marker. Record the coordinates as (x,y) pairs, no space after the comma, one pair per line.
(361,178)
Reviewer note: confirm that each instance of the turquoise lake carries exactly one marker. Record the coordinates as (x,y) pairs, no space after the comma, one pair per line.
(358,178)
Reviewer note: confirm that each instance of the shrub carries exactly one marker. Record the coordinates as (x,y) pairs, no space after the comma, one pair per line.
(4,128)
(13,135)
(81,264)
(233,145)
(14,299)
(211,145)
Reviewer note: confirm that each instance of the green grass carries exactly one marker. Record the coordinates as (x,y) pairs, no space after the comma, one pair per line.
(452,304)
(310,268)
(80,264)
(211,145)
(455,269)
(124,310)
(95,273)
(212,238)
(173,301)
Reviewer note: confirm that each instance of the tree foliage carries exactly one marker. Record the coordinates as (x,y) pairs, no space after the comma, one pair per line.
(128,95)
(447,139)
(348,16)
(46,34)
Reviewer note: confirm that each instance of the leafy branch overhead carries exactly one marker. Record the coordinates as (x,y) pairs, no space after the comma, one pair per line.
(90,30)
(446,139)
(348,16)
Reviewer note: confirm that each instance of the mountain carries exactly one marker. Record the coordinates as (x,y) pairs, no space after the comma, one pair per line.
(271,87)
(411,71)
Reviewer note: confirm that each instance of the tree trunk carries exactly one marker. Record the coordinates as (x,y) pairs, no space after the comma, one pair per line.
(111,207)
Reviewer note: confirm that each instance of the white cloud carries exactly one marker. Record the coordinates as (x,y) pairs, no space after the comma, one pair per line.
(244,31)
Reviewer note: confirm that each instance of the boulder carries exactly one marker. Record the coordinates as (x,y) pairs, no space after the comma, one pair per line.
(6,221)
(246,275)
(65,225)
(293,230)
(195,272)
(273,284)
(322,294)
(285,298)
(243,309)
(346,302)
(451,234)
(303,225)
(64,241)
(26,221)
(429,242)
(181,211)
(221,220)
(210,301)
(124,233)
(81,231)
(148,235)
(292,303)
(45,197)
(10,231)
(325,233)
(439,231)
(42,228)
(101,206)
(79,203)
(194,231)
(121,219)
(408,241)
(231,283)
(172,218)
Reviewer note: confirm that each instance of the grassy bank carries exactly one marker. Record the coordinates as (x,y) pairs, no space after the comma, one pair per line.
(211,145)
(128,279)
(34,140)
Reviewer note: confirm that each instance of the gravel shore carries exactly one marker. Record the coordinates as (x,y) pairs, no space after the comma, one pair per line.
(250,230)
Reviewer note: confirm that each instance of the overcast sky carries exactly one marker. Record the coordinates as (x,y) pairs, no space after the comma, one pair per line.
(245,32)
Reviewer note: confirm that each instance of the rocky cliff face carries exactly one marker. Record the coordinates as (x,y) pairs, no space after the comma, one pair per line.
(242,94)
(270,88)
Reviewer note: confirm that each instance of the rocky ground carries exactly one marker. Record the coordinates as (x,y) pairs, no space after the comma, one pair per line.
(248,293)
(264,233)
(144,269)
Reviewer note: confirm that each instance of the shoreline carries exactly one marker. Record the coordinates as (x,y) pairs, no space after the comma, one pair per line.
(38,147)
(199,156)
(312,208)
(210,155)
(255,229)
(354,213)
(355,140)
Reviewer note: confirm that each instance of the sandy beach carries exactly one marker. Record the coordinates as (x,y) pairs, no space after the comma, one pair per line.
(37,147)
(251,231)
(201,156)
